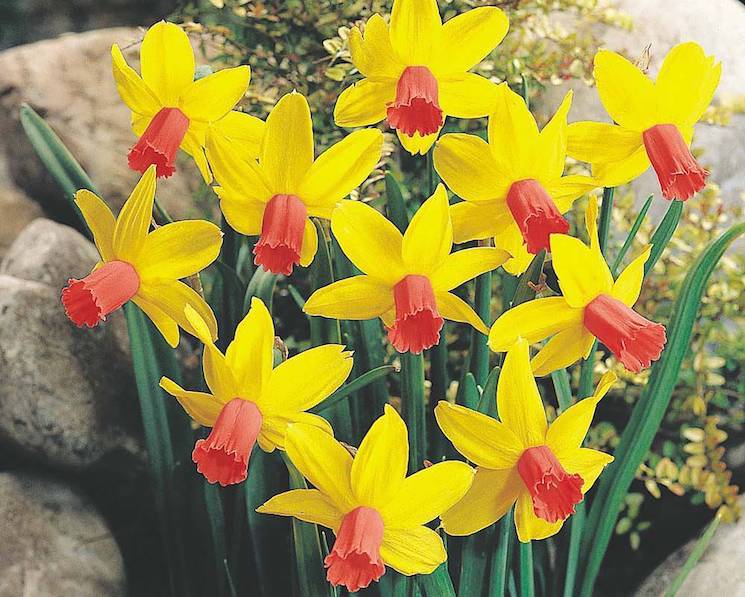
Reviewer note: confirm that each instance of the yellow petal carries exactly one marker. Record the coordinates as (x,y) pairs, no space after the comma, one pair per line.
(306,379)
(416,144)
(369,240)
(100,221)
(627,93)
(614,174)
(179,250)
(380,464)
(323,461)
(534,321)
(513,134)
(165,324)
(167,62)
(428,493)
(213,96)
(564,349)
(429,237)
(480,438)
(565,190)
(479,221)
(462,266)
(364,103)
(355,298)
(511,240)
(250,355)
(195,148)
(415,30)
(242,214)
(412,551)
(529,526)
(310,243)
(309,505)
(202,407)
(342,168)
(241,176)
(373,54)
(467,96)
(629,284)
(456,309)
(132,89)
(582,271)
(552,144)
(601,142)
(274,427)
(287,149)
(518,402)
(134,219)
(568,431)
(489,498)
(243,130)
(468,168)
(469,37)
(586,463)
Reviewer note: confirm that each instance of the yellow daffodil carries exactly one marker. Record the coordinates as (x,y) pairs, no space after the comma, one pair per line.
(277,196)
(520,459)
(249,401)
(416,70)
(171,110)
(653,120)
(513,186)
(377,512)
(407,278)
(141,267)
(592,306)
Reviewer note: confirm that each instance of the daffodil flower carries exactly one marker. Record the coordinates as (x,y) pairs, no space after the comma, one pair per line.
(520,459)
(171,110)
(416,70)
(376,512)
(654,120)
(407,278)
(592,306)
(513,186)
(276,197)
(249,401)
(141,267)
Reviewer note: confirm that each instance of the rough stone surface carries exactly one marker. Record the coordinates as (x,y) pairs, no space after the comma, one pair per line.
(54,542)
(719,572)
(17,210)
(68,81)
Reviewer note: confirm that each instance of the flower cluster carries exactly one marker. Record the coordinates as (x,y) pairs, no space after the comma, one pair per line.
(271,184)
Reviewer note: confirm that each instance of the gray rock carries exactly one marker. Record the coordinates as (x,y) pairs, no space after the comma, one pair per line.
(54,542)
(719,572)
(18,210)
(67,395)
(69,82)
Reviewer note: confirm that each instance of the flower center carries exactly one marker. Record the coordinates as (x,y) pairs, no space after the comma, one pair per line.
(104,290)
(418,324)
(554,491)
(282,231)
(223,457)
(678,171)
(355,561)
(535,214)
(416,108)
(634,340)
(159,143)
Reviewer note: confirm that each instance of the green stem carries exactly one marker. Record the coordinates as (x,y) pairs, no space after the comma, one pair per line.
(412,399)
(479,348)
(527,583)
(500,557)
(631,236)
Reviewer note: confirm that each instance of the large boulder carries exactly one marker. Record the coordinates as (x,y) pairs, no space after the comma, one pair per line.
(719,572)
(68,81)
(18,210)
(54,542)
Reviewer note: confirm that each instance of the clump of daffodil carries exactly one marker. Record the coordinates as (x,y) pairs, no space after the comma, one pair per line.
(276,197)
(376,512)
(513,186)
(249,401)
(140,266)
(416,71)
(653,120)
(592,306)
(171,110)
(520,459)
(407,278)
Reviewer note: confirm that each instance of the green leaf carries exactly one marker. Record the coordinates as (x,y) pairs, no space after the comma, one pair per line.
(437,584)
(261,286)
(631,236)
(499,564)
(357,384)
(395,205)
(468,393)
(524,291)
(698,551)
(663,234)
(216,520)
(649,409)
(488,401)
(560,379)
(527,582)
(227,299)
(412,401)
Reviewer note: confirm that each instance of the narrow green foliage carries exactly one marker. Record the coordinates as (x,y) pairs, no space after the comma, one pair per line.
(227,301)
(631,236)
(261,285)
(500,557)
(527,582)
(664,233)
(395,205)
(479,348)
(525,290)
(216,520)
(357,384)
(437,584)
(468,394)
(412,401)
(698,551)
